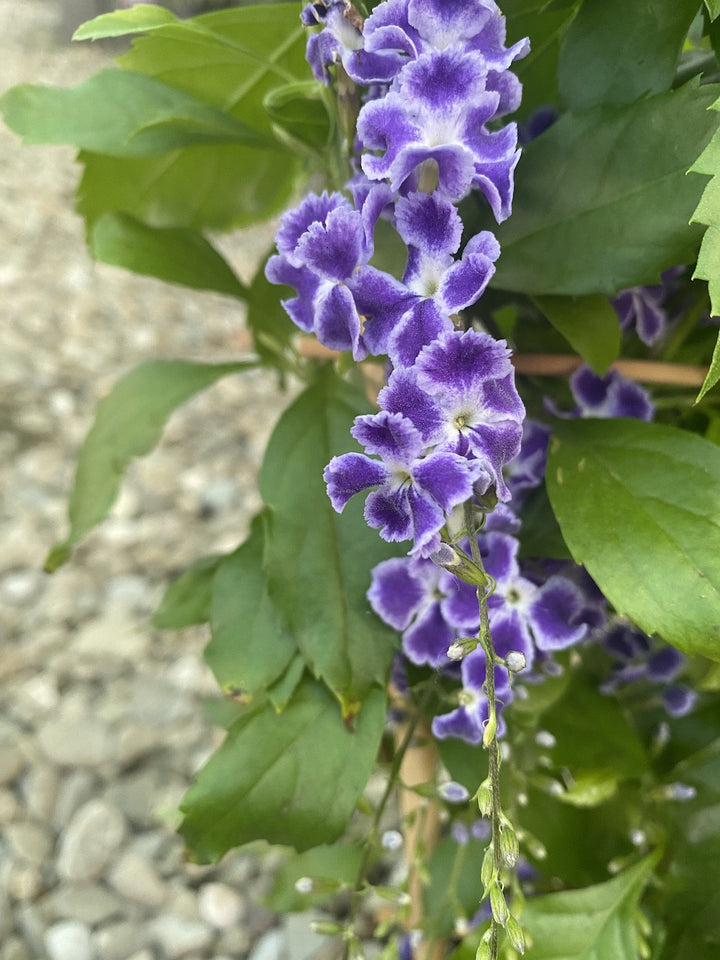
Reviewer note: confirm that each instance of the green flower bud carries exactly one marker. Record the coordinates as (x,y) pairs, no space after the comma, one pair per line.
(490,730)
(462,647)
(328,927)
(515,934)
(509,847)
(498,905)
(483,950)
(487,870)
(484,798)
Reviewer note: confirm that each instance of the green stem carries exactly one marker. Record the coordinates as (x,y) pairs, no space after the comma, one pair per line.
(493,749)
(393,779)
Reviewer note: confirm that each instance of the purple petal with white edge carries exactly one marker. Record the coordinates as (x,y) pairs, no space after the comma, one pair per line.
(465,282)
(382,300)
(379,198)
(465,723)
(460,361)
(509,91)
(553,615)
(679,700)
(428,520)
(300,309)
(665,665)
(389,512)
(389,435)
(499,552)
(588,389)
(460,608)
(322,50)
(419,326)
(490,42)
(333,249)
(349,474)
(455,163)
(403,395)
(429,222)
(628,399)
(510,632)
(495,179)
(442,23)
(496,443)
(337,323)
(501,399)
(395,594)
(293,224)
(447,478)
(502,520)
(427,639)
(443,83)
(473,675)
(385,125)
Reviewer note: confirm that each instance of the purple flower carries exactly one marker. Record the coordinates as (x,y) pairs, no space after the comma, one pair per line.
(461,397)
(340,36)
(605,397)
(438,109)
(323,249)
(434,285)
(467,721)
(644,307)
(417,487)
(527,470)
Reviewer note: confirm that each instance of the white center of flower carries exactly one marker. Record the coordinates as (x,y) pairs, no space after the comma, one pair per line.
(467,698)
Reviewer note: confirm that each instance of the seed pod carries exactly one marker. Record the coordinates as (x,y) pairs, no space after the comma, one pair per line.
(483,950)
(509,848)
(487,870)
(498,905)
(515,934)
(484,798)
(328,927)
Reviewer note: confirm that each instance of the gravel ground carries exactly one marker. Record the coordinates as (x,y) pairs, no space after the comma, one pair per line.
(101,718)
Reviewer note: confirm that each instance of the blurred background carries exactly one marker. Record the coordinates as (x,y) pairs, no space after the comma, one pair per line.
(102,718)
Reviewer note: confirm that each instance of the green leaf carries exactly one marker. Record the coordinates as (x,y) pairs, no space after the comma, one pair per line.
(187,599)
(638,506)
(616,52)
(250,646)
(708,213)
(139,18)
(537,71)
(319,562)
(128,423)
(292,778)
(121,114)
(589,324)
(454,872)
(176,255)
(281,692)
(713,7)
(713,374)
(231,60)
(602,200)
(596,923)
(300,111)
(337,862)
(272,329)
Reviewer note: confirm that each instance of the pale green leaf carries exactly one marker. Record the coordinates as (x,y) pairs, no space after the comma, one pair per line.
(187,599)
(138,19)
(639,505)
(589,324)
(713,374)
(713,7)
(128,423)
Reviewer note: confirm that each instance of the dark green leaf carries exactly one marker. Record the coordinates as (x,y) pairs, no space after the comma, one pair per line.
(250,646)
(319,562)
(713,374)
(540,535)
(597,923)
(272,329)
(602,200)
(337,862)
(280,693)
(589,324)
(615,52)
(176,255)
(128,423)
(121,114)
(637,504)
(138,19)
(292,778)
(708,212)
(187,599)
(538,71)
(454,871)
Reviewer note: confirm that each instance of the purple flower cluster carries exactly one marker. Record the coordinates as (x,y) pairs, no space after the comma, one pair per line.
(432,609)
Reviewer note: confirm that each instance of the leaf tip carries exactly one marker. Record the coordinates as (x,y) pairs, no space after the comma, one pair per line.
(59,555)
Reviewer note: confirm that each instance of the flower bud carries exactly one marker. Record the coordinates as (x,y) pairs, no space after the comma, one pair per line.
(453,792)
(487,870)
(515,934)
(509,848)
(401,897)
(515,661)
(325,885)
(484,798)
(483,950)
(457,562)
(490,731)
(329,927)
(391,840)
(462,647)
(498,905)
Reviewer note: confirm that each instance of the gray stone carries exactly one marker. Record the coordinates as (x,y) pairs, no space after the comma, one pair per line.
(31,926)
(178,936)
(134,878)
(95,832)
(34,698)
(78,787)
(220,905)
(116,635)
(14,949)
(90,903)
(29,841)
(11,761)
(68,940)
(135,794)
(8,805)
(40,789)
(235,942)
(23,881)
(117,940)
(79,743)
(272,946)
